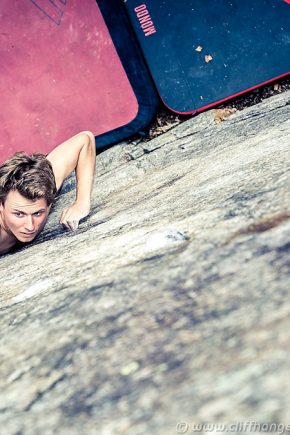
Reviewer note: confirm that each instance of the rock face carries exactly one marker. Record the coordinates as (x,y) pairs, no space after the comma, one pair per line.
(171,302)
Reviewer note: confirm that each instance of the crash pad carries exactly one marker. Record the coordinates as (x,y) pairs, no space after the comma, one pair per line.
(61,73)
(203,52)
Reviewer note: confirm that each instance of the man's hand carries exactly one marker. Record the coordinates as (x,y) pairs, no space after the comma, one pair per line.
(71,216)
(77,153)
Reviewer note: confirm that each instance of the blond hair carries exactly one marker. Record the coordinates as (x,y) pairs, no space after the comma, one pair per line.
(31,175)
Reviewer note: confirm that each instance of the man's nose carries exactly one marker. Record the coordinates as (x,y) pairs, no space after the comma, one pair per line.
(29,224)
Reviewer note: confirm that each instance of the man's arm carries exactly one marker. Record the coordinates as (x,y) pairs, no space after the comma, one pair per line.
(77,153)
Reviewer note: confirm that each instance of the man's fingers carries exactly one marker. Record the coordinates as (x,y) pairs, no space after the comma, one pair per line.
(66,225)
(68,221)
(70,225)
(71,216)
(74,224)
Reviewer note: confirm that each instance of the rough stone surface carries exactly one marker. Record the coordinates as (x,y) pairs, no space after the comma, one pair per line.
(171,302)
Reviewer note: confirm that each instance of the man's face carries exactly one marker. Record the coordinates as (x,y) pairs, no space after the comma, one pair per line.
(24,218)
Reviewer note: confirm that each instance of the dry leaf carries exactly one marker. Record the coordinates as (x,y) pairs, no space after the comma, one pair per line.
(199,48)
(222,114)
(208,58)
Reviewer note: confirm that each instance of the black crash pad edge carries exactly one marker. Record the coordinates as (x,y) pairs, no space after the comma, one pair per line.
(124,39)
(232,97)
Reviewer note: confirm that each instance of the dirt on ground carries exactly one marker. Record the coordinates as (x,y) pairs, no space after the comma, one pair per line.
(166,119)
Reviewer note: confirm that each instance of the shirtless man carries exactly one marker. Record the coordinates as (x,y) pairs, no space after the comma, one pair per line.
(28,185)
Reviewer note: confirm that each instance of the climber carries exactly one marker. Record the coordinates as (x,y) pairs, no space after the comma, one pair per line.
(29,184)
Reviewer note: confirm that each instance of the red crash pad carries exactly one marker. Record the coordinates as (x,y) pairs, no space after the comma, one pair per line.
(60,74)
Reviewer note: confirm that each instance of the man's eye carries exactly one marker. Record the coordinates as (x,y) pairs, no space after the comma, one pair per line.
(18,214)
